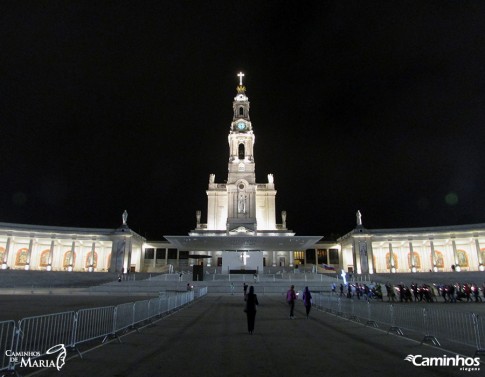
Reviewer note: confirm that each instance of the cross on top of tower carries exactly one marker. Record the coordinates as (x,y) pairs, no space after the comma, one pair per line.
(240,75)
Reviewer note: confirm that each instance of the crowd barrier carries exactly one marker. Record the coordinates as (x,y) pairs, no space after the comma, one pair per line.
(36,335)
(7,337)
(431,325)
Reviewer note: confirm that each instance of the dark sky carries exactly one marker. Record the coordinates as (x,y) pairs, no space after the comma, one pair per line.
(370,105)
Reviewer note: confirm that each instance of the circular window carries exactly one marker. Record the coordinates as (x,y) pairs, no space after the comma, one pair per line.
(241,186)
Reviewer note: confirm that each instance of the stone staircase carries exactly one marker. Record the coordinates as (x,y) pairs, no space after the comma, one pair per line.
(220,283)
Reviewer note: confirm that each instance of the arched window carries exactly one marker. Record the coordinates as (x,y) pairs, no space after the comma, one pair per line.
(44,258)
(439,259)
(69,259)
(388,261)
(90,261)
(241,111)
(414,257)
(462,258)
(22,256)
(241,151)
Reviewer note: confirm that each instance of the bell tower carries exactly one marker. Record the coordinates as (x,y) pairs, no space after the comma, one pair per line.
(240,204)
(241,179)
(241,139)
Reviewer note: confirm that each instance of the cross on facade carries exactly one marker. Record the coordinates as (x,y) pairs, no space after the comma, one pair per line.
(244,256)
(240,75)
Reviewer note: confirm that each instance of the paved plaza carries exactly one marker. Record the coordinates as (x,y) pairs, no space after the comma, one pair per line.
(210,338)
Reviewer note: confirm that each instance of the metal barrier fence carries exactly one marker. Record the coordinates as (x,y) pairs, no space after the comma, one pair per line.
(35,336)
(200,291)
(7,337)
(481,333)
(38,334)
(124,317)
(93,323)
(432,325)
(140,311)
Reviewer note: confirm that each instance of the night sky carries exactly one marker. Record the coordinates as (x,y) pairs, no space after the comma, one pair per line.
(377,106)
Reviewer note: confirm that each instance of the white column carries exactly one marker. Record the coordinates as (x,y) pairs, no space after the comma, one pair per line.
(71,257)
(51,256)
(370,257)
(356,256)
(411,252)
(128,254)
(433,255)
(362,256)
(391,256)
(5,255)
(31,245)
(455,256)
(91,265)
(155,258)
(274,259)
(291,258)
(481,262)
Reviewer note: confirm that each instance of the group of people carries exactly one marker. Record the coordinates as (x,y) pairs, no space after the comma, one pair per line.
(461,292)
(251,300)
(466,292)
(292,296)
(360,291)
(430,293)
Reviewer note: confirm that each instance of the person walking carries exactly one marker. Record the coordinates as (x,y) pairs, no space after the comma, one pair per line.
(251,303)
(290,299)
(307,301)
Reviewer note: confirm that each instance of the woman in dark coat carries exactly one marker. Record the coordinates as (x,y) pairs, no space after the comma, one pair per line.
(307,301)
(251,303)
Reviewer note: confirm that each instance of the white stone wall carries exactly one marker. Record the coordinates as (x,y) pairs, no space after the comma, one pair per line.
(216,209)
(266,209)
(232,260)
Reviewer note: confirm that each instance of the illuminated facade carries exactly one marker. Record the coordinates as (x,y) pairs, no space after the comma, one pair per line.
(240,204)
(32,247)
(241,232)
(447,248)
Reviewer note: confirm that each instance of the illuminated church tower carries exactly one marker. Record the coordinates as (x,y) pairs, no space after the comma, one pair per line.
(241,205)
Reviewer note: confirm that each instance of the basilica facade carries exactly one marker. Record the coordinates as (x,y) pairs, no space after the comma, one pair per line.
(242,234)
(428,249)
